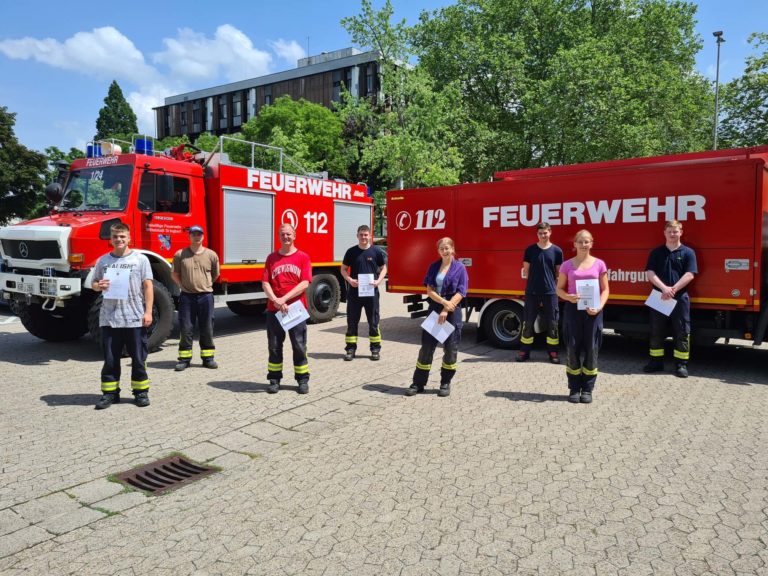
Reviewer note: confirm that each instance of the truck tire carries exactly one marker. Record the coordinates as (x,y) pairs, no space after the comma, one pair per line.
(243,309)
(162,317)
(503,324)
(59,326)
(323,297)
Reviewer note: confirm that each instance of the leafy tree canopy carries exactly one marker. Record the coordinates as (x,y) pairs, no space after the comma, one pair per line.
(745,101)
(21,172)
(117,116)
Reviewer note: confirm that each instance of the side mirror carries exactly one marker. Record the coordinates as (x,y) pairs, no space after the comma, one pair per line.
(54,193)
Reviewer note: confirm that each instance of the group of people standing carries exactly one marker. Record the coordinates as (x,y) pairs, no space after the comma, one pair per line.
(288,273)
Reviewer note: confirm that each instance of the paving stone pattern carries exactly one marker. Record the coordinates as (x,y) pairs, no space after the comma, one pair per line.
(658,476)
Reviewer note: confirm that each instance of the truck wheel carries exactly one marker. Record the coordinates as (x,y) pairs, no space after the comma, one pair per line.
(323,298)
(503,324)
(243,309)
(162,317)
(59,326)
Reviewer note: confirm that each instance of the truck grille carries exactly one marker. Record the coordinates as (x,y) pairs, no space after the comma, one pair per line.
(31,249)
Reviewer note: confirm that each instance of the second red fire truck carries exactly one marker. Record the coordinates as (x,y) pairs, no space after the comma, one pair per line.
(721,197)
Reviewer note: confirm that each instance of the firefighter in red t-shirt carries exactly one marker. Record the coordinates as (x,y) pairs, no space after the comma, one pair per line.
(287,275)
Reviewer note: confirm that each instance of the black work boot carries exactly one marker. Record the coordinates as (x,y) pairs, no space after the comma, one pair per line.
(303,387)
(682,371)
(349,356)
(445,389)
(653,365)
(181,365)
(210,363)
(375,355)
(574,396)
(107,399)
(141,398)
(554,358)
(274,386)
(586,397)
(414,389)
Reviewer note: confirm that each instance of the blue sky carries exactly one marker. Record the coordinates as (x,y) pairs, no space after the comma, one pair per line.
(58,59)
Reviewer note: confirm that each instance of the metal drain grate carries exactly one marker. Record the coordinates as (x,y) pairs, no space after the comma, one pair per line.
(164,475)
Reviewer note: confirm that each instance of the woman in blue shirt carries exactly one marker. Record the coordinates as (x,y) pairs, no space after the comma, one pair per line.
(446,283)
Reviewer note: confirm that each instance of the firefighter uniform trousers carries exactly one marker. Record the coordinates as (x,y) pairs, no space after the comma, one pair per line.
(196,308)
(550,311)
(680,322)
(450,353)
(112,342)
(583,338)
(275,340)
(355,306)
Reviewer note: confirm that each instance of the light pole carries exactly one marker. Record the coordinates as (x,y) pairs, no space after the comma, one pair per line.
(719,39)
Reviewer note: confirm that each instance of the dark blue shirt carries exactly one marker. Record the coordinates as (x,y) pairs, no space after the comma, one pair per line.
(364,261)
(541,273)
(671,265)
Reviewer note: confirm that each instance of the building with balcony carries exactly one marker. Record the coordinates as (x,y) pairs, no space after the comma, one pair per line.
(223,109)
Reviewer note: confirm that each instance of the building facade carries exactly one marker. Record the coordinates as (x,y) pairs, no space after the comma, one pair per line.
(224,109)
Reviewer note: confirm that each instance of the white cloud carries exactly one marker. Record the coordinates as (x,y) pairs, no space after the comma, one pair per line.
(290,51)
(103,52)
(192,56)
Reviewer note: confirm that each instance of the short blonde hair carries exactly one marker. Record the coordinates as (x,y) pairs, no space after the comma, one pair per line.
(446,240)
(673,224)
(581,233)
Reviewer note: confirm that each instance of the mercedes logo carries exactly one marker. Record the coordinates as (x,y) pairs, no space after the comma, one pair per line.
(23,249)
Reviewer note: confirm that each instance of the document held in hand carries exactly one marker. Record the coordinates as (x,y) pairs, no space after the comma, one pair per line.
(664,306)
(295,315)
(118,283)
(589,293)
(365,287)
(439,331)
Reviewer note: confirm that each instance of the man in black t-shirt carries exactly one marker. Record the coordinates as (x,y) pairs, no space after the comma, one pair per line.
(541,265)
(363,262)
(670,269)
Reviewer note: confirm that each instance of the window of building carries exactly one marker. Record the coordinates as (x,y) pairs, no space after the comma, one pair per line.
(183,118)
(336,92)
(222,111)
(197,116)
(163,193)
(369,89)
(237,109)
(267,95)
(167,120)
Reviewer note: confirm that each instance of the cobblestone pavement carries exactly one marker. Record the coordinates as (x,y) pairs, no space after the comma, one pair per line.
(658,476)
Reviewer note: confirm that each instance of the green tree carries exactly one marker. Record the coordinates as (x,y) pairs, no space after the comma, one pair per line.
(116,117)
(561,81)
(415,144)
(54,155)
(309,133)
(22,173)
(745,101)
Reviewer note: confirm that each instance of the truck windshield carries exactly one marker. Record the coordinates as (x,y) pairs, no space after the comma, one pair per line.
(103,188)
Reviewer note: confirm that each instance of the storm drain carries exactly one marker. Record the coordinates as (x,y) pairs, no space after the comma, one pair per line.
(164,475)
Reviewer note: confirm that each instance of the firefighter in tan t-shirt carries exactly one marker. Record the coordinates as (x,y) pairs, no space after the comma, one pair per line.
(195,269)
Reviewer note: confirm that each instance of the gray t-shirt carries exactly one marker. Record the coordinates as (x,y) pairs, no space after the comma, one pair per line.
(127,313)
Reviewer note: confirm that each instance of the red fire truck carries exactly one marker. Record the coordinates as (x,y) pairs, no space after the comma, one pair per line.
(46,264)
(721,196)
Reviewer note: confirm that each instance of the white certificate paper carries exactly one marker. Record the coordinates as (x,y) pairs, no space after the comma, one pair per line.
(664,306)
(365,287)
(118,283)
(439,331)
(295,315)
(589,293)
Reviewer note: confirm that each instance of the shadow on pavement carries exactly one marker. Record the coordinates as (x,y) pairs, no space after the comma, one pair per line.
(239,386)
(328,355)
(527,396)
(396,390)
(70,399)
(27,350)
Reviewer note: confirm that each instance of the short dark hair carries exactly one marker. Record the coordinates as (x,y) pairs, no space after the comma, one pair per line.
(544,226)
(120,227)
(363,228)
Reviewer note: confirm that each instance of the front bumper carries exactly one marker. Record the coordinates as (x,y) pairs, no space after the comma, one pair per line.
(43,287)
